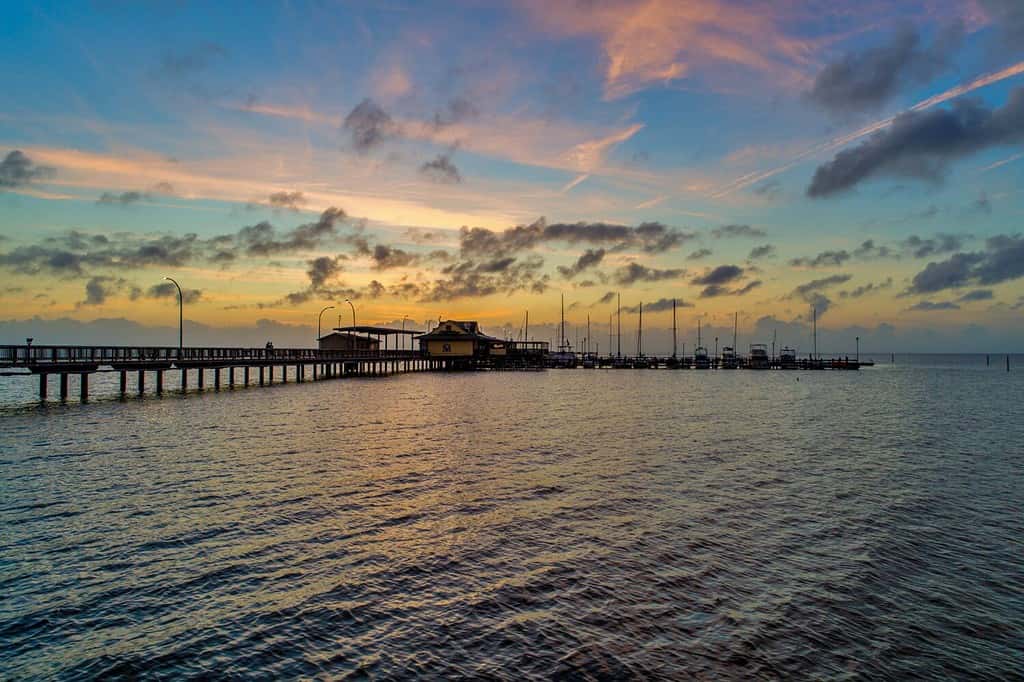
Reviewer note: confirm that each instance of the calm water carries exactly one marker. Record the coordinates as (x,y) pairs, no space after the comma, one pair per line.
(594,524)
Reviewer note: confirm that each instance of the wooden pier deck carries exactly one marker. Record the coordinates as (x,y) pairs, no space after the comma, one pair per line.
(83,361)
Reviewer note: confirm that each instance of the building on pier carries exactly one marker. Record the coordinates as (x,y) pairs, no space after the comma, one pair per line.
(339,340)
(461,340)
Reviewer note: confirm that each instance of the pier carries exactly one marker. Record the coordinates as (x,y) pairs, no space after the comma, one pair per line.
(222,366)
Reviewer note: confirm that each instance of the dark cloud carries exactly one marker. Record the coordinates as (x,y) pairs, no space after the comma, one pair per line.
(977,295)
(928,306)
(869,250)
(124,198)
(168,290)
(957,271)
(921,144)
(634,272)
(186,63)
(939,244)
(457,110)
(658,306)
(17,170)
(369,125)
(262,239)
(825,259)
(588,259)
(1007,16)
(1002,261)
(321,270)
(864,81)
(723,274)
(98,289)
(441,169)
(865,289)
(717,290)
(813,294)
(607,298)
(469,279)
(648,237)
(763,251)
(699,254)
(289,200)
(387,257)
(745,231)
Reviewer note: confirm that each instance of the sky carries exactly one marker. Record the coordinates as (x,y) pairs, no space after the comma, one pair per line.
(753,161)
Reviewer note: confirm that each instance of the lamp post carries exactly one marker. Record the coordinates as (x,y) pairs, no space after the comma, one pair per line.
(181,315)
(320,317)
(353,311)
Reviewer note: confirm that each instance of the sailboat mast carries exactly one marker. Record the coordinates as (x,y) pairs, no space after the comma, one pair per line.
(527,325)
(735,326)
(815,332)
(618,321)
(587,349)
(698,333)
(561,342)
(640,332)
(674,327)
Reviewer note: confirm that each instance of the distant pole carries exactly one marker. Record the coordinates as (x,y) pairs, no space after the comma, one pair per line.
(1007,362)
(181,315)
(587,349)
(716,347)
(640,333)
(988,359)
(527,325)
(735,328)
(318,318)
(618,342)
(404,318)
(858,350)
(815,309)
(674,344)
(353,311)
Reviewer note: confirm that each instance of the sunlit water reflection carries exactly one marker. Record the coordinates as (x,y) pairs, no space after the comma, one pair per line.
(580,523)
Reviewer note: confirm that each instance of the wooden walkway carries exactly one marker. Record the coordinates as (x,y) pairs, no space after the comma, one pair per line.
(83,361)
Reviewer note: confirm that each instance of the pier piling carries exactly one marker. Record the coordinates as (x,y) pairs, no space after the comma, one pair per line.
(63,387)
(159,382)
(124,383)
(42,387)
(83,387)
(142,382)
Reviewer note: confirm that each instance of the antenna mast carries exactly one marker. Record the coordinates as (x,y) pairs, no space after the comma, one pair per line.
(674,327)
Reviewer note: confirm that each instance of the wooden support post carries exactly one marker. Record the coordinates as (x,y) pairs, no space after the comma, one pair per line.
(159,382)
(245,375)
(270,374)
(299,369)
(142,381)
(202,378)
(284,374)
(184,379)
(63,386)
(216,378)
(261,375)
(231,377)
(1007,363)
(83,387)
(315,366)
(42,387)
(124,383)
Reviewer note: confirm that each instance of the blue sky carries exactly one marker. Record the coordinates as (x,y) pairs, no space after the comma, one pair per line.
(861,158)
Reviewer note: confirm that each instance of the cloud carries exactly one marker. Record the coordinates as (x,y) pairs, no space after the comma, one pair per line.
(864,81)
(589,259)
(124,198)
(770,189)
(168,290)
(928,306)
(368,125)
(654,42)
(457,110)
(658,306)
(744,231)
(469,279)
(607,298)
(441,169)
(865,289)
(817,285)
(716,290)
(957,271)
(1008,18)
(939,244)
(763,251)
(977,295)
(98,289)
(723,274)
(1002,261)
(262,239)
(699,254)
(634,272)
(289,200)
(982,204)
(825,259)
(388,257)
(650,237)
(18,170)
(921,144)
(321,270)
(868,250)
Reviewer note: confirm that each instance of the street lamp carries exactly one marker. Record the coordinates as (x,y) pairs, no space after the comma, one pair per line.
(353,311)
(318,318)
(181,314)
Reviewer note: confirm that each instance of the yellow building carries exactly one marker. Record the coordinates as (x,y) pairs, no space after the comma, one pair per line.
(459,339)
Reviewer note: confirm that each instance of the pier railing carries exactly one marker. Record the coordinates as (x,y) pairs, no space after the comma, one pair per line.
(29,356)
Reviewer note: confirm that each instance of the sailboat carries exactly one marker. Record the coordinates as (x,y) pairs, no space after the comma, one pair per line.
(640,362)
(564,357)
(729,358)
(673,362)
(619,362)
(700,353)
